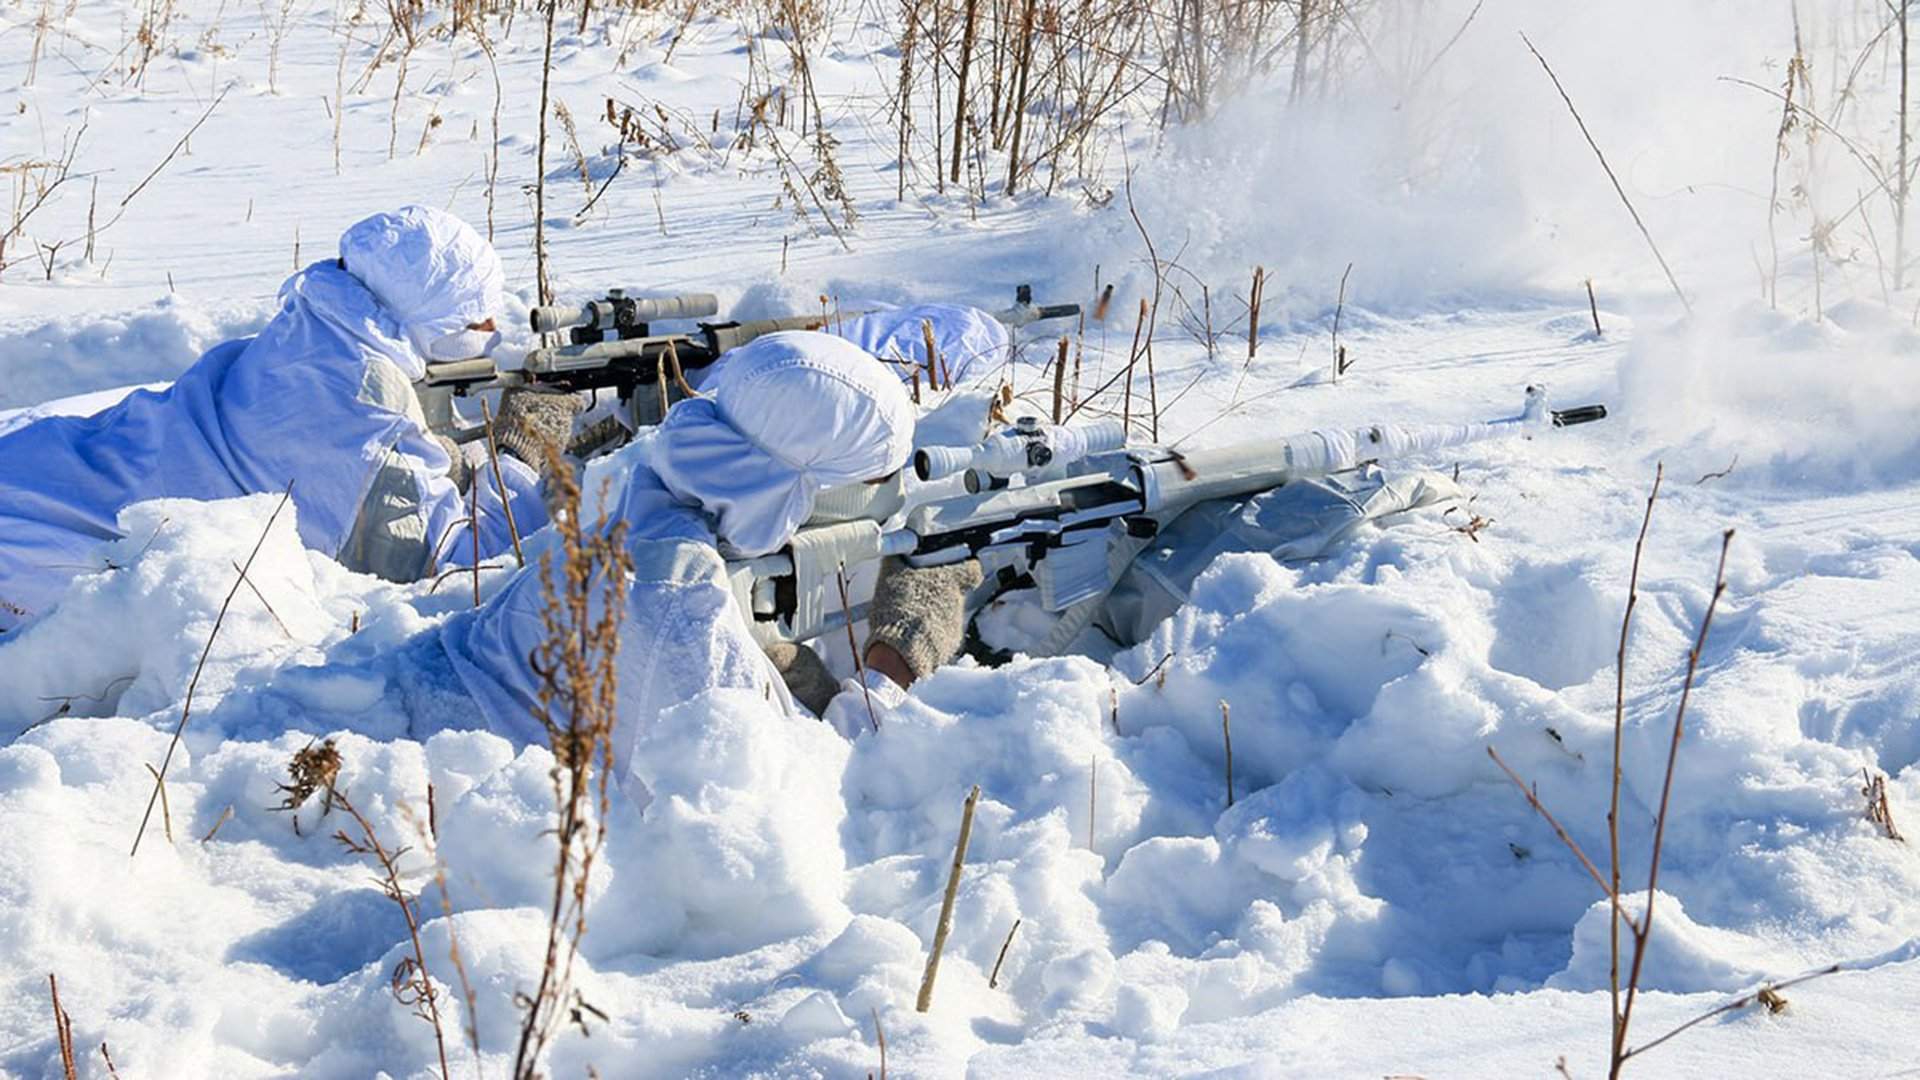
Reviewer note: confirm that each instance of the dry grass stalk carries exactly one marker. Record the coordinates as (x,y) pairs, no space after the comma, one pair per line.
(993,980)
(1639,930)
(1059,380)
(500,485)
(412,986)
(1645,926)
(1781,148)
(1901,170)
(880,1037)
(177,147)
(1593,308)
(166,810)
(1621,191)
(679,374)
(1153,394)
(1226,736)
(933,354)
(257,595)
(1339,306)
(478,24)
(577,666)
(1532,795)
(1079,351)
(43,178)
(1768,995)
(542,279)
(1253,311)
(93,202)
(186,710)
(1133,357)
(62,1030)
(225,816)
(1878,810)
(971,21)
(339,103)
(473,531)
(1024,66)
(41,24)
(565,116)
(112,1073)
(859,664)
(431,837)
(945,925)
(1614,778)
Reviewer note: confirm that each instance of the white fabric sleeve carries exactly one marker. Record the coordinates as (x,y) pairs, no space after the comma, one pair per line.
(445,508)
(680,635)
(848,711)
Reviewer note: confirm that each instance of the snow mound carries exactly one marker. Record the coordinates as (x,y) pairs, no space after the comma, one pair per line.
(1782,402)
(77,354)
(127,637)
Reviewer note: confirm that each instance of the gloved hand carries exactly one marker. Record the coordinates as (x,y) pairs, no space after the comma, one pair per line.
(919,616)
(805,674)
(459,471)
(530,421)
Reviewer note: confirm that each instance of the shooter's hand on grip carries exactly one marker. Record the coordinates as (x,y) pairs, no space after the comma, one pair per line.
(919,617)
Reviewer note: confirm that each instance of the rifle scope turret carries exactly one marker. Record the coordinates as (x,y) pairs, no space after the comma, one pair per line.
(618,310)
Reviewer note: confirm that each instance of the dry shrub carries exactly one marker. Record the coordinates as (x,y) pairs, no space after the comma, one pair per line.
(1878,810)
(313,767)
(584,597)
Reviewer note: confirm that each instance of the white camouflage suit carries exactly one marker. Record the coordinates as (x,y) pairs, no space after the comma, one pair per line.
(735,471)
(321,398)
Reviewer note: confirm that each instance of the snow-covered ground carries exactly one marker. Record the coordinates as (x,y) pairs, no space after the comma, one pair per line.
(1378,900)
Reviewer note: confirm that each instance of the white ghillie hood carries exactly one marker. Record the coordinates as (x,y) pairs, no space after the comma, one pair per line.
(429,269)
(789,414)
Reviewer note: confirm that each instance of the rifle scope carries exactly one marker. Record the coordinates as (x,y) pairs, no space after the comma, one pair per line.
(1029,444)
(618,310)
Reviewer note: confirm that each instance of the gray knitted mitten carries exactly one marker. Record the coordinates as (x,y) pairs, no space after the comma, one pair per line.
(458,472)
(530,421)
(921,611)
(805,674)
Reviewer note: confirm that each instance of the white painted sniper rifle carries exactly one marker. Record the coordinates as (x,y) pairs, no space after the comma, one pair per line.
(610,345)
(1084,493)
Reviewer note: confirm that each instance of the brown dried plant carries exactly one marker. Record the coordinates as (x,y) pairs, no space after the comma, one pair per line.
(1624,995)
(577,668)
(313,767)
(1878,810)
(567,128)
(410,983)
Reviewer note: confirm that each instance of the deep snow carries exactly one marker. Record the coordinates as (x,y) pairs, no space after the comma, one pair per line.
(1378,900)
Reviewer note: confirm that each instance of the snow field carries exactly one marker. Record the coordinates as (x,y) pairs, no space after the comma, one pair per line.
(793,876)
(1379,899)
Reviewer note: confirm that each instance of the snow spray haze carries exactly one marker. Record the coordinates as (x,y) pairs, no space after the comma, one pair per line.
(1440,160)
